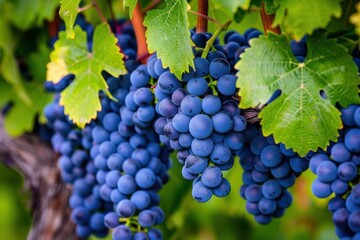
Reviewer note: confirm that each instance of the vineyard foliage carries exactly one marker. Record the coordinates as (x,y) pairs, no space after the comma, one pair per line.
(305,115)
(167,34)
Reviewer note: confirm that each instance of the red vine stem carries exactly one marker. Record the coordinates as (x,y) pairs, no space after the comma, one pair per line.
(53,26)
(202,22)
(268,21)
(139,29)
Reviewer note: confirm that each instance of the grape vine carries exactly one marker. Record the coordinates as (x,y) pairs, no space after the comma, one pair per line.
(129,92)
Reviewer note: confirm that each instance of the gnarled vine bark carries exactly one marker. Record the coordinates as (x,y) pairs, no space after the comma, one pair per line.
(37,162)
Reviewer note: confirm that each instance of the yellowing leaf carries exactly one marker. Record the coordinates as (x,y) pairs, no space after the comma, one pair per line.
(355,19)
(80,99)
(300,117)
(168,34)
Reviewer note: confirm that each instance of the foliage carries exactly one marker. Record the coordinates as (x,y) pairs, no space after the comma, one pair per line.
(72,56)
(168,35)
(303,17)
(68,12)
(327,68)
(301,118)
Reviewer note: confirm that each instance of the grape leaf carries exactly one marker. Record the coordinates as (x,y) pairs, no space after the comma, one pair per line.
(80,99)
(68,12)
(15,123)
(131,5)
(304,16)
(25,14)
(47,10)
(300,117)
(233,5)
(8,68)
(355,19)
(167,33)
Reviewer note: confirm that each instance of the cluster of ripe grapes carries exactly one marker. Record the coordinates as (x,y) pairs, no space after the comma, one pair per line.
(119,162)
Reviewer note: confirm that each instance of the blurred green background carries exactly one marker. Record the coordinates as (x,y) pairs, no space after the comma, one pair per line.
(220,218)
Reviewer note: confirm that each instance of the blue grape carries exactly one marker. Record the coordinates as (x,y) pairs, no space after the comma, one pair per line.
(168,83)
(191,105)
(321,189)
(197,86)
(212,177)
(195,164)
(211,104)
(122,232)
(226,85)
(201,67)
(219,67)
(201,193)
(200,126)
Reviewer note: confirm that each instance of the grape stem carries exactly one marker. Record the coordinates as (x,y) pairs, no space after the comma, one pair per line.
(202,22)
(139,29)
(152,5)
(98,10)
(211,41)
(111,10)
(268,21)
(86,7)
(207,17)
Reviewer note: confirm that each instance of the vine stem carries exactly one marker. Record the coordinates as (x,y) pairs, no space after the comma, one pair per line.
(207,17)
(86,7)
(211,41)
(267,21)
(202,22)
(139,29)
(152,5)
(111,10)
(53,26)
(98,10)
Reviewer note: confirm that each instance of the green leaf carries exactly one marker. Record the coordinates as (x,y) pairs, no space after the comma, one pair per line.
(47,10)
(24,13)
(81,98)
(8,68)
(36,63)
(299,117)
(168,34)
(68,12)
(304,16)
(271,6)
(15,123)
(131,5)
(233,5)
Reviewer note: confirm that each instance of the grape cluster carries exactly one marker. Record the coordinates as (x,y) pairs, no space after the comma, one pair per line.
(132,166)
(338,173)
(199,115)
(78,169)
(269,170)
(115,164)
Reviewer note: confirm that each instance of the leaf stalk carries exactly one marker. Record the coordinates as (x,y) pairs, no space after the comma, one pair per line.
(211,41)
